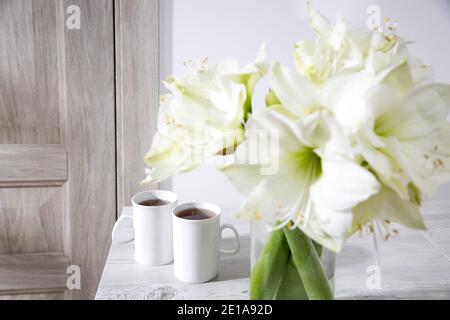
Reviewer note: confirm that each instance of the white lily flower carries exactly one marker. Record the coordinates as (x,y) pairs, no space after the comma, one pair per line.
(344,96)
(406,138)
(341,49)
(202,117)
(366,106)
(316,187)
(386,52)
(338,49)
(249,75)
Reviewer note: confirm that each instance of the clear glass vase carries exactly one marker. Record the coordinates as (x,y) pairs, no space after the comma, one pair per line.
(287,265)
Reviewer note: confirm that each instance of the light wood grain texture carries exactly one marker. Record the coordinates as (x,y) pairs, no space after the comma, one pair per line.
(29,110)
(57,88)
(36,296)
(31,153)
(411,268)
(438,233)
(31,220)
(33,273)
(137,82)
(90,201)
(27,165)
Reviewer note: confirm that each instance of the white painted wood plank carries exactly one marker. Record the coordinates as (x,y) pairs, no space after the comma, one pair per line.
(438,233)
(411,268)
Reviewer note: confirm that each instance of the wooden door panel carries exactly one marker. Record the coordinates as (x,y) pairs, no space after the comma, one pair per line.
(58,160)
(33,162)
(36,296)
(31,220)
(57,145)
(30,165)
(32,273)
(29,107)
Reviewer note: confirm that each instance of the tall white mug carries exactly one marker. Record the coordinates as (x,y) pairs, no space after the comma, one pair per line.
(152,228)
(196,244)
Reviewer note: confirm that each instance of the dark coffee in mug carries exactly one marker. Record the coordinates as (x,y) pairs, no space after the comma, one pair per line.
(195,214)
(153,203)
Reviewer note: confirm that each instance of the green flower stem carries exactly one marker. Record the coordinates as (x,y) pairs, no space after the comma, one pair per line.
(319,248)
(268,272)
(291,287)
(308,265)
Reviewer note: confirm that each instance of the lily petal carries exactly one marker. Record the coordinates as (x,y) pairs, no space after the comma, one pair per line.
(343,185)
(295,91)
(389,206)
(329,229)
(421,112)
(345,97)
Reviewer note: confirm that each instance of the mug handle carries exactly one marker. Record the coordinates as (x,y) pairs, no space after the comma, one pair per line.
(236,249)
(116,225)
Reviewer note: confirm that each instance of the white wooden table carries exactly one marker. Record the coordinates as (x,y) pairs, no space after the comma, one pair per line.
(414,265)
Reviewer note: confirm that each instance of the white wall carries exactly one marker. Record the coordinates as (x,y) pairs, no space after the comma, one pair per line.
(193,29)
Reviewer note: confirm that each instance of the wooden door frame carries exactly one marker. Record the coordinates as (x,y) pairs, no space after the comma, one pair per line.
(89,75)
(108,89)
(137,91)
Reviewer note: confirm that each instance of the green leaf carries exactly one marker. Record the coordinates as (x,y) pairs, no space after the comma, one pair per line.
(268,272)
(308,265)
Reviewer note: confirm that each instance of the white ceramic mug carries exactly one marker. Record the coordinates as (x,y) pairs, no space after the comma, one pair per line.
(196,244)
(152,228)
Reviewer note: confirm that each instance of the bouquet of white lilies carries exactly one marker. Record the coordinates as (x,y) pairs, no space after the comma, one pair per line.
(361,135)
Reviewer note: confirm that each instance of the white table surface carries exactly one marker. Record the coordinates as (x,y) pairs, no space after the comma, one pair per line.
(414,265)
